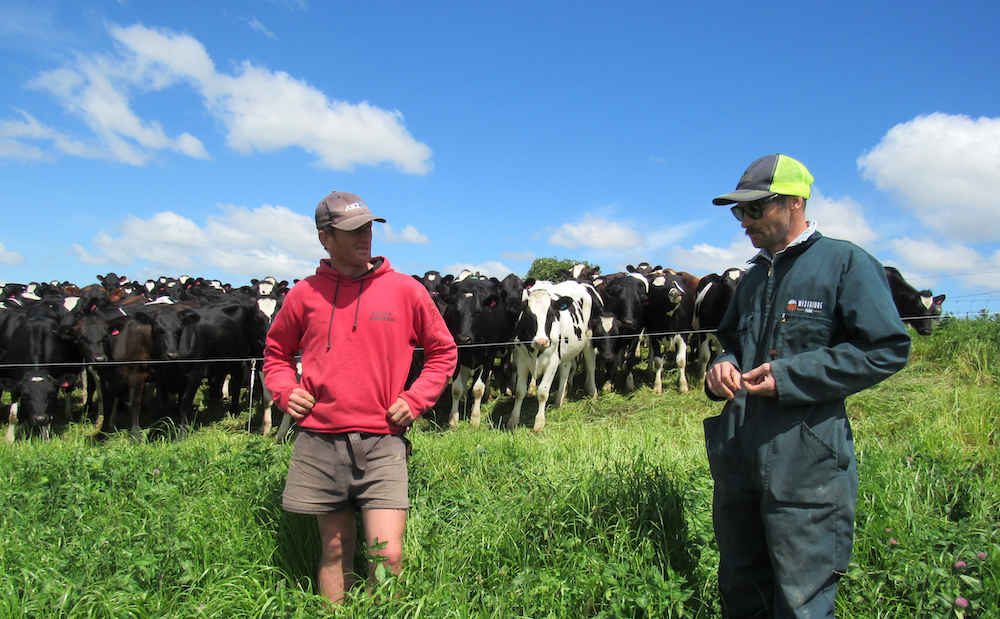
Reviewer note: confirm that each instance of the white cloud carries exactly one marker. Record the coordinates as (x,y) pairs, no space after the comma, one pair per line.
(10,258)
(704,258)
(94,91)
(14,133)
(408,235)
(840,219)
(270,240)
(927,255)
(596,232)
(922,256)
(259,27)
(259,109)
(84,256)
(947,169)
(486,269)
(519,256)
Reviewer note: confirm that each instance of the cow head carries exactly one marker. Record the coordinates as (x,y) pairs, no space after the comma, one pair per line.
(90,334)
(36,395)
(167,329)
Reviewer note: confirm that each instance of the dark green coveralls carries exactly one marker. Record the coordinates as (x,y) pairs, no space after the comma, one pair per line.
(786,480)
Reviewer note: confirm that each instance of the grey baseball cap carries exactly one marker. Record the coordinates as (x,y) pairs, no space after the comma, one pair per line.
(343,211)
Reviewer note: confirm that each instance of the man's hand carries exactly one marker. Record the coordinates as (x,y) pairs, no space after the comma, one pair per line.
(300,403)
(760,381)
(400,414)
(724,380)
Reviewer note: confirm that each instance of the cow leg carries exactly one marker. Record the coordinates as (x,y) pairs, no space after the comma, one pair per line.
(11,421)
(478,391)
(590,370)
(266,408)
(235,390)
(458,385)
(606,368)
(628,362)
(543,391)
(657,374)
(681,346)
(98,395)
(283,427)
(521,389)
(185,404)
(68,403)
(136,386)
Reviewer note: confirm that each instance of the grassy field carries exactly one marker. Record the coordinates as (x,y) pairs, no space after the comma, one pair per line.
(605,514)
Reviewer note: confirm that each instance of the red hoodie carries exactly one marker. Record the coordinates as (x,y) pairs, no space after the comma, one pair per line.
(357,338)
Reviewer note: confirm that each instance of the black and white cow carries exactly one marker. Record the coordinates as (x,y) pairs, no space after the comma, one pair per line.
(917,309)
(626,298)
(553,330)
(477,318)
(711,301)
(40,363)
(668,321)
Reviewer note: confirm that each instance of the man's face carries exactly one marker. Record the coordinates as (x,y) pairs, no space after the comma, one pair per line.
(349,248)
(771,231)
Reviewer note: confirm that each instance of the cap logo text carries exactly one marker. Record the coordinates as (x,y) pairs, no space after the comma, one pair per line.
(353,207)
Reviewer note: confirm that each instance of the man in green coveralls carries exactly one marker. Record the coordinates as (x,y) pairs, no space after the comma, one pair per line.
(812,322)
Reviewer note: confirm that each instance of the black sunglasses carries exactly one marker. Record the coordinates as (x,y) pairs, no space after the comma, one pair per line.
(753,210)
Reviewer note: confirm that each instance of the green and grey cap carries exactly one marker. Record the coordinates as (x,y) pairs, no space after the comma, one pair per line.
(769,176)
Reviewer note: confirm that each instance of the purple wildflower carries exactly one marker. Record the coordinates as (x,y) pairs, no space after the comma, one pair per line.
(960,564)
(961,602)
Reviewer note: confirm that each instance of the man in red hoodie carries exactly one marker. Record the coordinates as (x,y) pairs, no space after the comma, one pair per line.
(356,323)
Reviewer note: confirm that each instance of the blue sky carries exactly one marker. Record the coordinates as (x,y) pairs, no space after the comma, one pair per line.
(151,138)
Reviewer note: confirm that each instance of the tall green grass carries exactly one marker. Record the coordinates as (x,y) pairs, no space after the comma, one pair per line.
(607,513)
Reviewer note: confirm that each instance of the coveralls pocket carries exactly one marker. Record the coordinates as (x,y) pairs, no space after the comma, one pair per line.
(798,333)
(803,467)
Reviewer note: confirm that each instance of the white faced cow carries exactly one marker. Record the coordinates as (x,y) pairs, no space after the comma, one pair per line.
(668,318)
(553,330)
(919,309)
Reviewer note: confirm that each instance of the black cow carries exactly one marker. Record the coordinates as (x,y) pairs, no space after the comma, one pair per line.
(917,309)
(626,297)
(712,299)
(477,318)
(207,342)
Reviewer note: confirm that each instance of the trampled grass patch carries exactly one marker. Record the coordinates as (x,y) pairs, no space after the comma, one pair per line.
(605,514)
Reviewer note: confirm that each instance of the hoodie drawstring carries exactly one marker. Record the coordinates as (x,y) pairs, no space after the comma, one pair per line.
(357,308)
(333,307)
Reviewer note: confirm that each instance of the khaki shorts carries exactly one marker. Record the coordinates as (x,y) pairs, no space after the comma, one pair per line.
(324,474)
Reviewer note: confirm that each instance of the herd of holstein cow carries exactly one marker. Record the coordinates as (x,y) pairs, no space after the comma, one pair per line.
(116,336)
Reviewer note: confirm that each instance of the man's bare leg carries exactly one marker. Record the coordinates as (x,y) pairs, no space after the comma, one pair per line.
(337,531)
